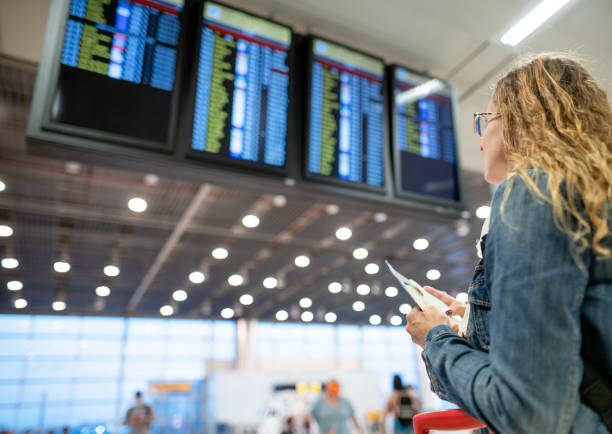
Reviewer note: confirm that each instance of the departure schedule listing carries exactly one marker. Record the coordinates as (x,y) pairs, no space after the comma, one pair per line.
(242,88)
(131,40)
(346,116)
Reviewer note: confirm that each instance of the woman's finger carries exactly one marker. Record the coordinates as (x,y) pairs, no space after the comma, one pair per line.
(447,299)
(457,308)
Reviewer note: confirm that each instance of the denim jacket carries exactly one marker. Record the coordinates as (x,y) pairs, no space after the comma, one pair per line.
(519,369)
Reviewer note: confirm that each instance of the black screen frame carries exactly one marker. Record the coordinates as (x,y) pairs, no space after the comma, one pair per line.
(386,188)
(190,95)
(397,172)
(47,84)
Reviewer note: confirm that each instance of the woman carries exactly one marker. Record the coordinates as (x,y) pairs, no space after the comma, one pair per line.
(332,411)
(403,404)
(541,296)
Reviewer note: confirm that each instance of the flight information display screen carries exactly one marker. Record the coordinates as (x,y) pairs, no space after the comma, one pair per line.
(242,91)
(346,115)
(118,65)
(424,136)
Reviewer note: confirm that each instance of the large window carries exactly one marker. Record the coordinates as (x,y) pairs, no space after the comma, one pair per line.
(73,371)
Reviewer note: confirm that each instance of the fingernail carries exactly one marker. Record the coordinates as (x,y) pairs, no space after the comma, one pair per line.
(449,312)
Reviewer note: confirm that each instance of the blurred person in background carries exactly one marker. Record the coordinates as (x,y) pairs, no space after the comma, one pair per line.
(332,411)
(140,417)
(403,404)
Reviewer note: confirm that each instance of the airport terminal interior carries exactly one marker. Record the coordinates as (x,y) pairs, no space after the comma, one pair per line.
(199,200)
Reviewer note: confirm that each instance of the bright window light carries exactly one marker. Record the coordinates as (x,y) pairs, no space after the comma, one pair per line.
(111,270)
(196,277)
(103,291)
(235,280)
(344,233)
(334,287)
(330,317)
(420,244)
(360,253)
(391,291)
(61,267)
(358,306)
(305,302)
(302,261)
(166,310)
(363,289)
(375,319)
(282,315)
(532,21)
(179,295)
(220,253)
(250,221)
(137,204)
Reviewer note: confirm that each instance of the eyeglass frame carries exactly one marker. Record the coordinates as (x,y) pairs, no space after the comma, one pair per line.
(483,114)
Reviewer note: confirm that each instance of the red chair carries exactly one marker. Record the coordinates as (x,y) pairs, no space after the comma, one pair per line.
(445,420)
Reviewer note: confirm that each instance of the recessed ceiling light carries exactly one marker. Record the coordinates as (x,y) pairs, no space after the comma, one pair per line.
(307,316)
(330,317)
(334,287)
(179,295)
(14,285)
(2,186)
(111,270)
(58,305)
(462,297)
(391,291)
(405,308)
(166,310)
(61,267)
(344,233)
(6,231)
(483,212)
(279,201)
(282,315)
(305,302)
(103,291)
(375,319)
(72,167)
(372,268)
(433,274)
(302,261)
(332,209)
(196,277)
(137,204)
(235,280)
(358,306)
(380,217)
(363,289)
(246,299)
(360,253)
(250,221)
(420,244)
(396,320)
(534,19)
(270,282)
(220,253)
(227,313)
(151,179)
(10,263)
(20,303)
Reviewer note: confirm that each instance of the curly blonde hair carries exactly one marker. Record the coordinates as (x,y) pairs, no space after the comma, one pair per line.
(557,118)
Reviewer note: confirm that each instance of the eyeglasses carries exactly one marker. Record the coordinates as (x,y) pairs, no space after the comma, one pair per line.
(481,119)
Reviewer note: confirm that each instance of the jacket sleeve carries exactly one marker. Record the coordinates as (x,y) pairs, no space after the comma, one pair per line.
(529,380)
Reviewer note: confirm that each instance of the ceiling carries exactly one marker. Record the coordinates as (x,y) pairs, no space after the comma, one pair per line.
(56,208)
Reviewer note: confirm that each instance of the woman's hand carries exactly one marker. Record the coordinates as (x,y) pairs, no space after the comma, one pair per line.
(455,306)
(419,322)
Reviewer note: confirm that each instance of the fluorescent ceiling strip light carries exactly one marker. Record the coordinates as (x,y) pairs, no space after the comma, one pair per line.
(532,21)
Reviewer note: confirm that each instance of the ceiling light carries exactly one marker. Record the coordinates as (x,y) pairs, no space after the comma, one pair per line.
(344,233)
(307,316)
(375,319)
(532,21)
(61,267)
(282,315)
(358,306)
(20,303)
(227,313)
(372,268)
(305,302)
(250,221)
(279,201)
(363,289)
(14,285)
(137,204)
(103,291)
(420,244)
(270,282)
(433,274)
(483,212)
(58,305)
(360,253)
(166,310)
(405,308)
(5,231)
(151,179)
(10,263)
(72,167)
(2,186)
(391,291)
(380,217)
(111,270)
(179,295)
(196,277)
(330,317)
(220,253)
(235,280)
(396,320)
(462,297)
(246,299)
(334,287)
(332,209)
(302,261)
